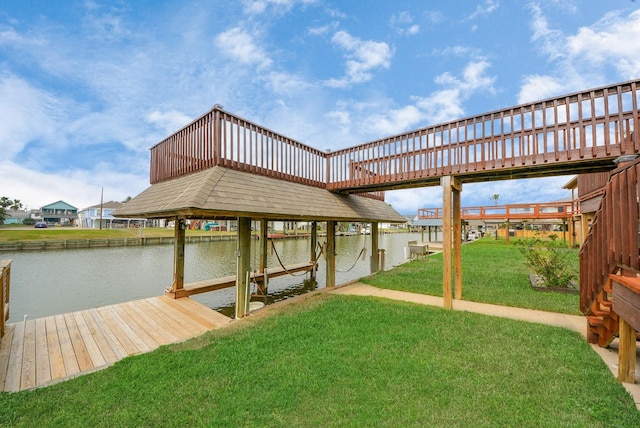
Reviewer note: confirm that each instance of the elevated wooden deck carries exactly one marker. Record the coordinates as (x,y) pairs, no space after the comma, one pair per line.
(44,350)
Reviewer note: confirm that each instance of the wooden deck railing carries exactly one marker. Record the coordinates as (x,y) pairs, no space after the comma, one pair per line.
(577,128)
(5,288)
(549,210)
(576,133)
(219,138)
(612,242)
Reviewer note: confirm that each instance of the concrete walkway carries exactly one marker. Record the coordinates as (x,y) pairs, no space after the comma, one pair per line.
(572,322)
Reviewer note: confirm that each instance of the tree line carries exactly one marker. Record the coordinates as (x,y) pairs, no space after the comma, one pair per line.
(8,203)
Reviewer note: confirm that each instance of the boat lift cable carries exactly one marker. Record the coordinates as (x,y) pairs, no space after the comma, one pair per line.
(362,253)
(273,247)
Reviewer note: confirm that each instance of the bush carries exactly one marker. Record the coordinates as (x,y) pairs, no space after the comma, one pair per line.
(28,222)
(550,260)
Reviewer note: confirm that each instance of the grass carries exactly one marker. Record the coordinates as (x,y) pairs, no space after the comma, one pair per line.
(492,272)
(62,233)
(346,361)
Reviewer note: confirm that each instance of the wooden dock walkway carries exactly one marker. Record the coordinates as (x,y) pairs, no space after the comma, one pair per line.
(44,350)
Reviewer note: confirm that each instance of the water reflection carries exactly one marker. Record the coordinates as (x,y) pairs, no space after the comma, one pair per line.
(53,282)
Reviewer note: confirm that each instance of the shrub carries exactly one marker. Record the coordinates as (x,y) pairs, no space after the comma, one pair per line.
(28,222)
(550,260)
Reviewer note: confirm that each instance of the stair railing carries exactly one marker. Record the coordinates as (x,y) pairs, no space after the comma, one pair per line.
(612,243)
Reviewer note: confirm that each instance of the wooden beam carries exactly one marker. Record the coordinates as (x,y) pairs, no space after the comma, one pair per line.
(264,244)
(207,285)
(457,239)
(312,250)
(447,189)
(330,254)
(375,259)
(178,254)
(627,352)
(243,267)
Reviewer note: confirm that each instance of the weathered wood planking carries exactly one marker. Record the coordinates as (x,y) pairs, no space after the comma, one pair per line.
(37,352)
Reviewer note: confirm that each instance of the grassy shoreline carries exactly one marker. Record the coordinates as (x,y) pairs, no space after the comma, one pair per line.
(331,360)
(343,360)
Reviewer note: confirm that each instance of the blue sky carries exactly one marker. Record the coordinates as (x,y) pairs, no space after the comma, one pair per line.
(87,87)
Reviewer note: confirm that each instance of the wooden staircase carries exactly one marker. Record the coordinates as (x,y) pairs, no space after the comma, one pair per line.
(603,323)
(610,251)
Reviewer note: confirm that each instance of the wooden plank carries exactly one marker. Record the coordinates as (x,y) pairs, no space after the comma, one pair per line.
(79,347)
(144,325)
(136,328)
(28,374)
(14,369)
(116,326)
(178,305)
(109,335)
(93,350)
(107,352)
(5,353)
(71,365)
(205,312)
(43,366)
(163,334)
(190,327)
(163,320)
(56,362)
(626,303)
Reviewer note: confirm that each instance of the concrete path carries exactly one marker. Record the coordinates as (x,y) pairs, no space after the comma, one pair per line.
(572,322)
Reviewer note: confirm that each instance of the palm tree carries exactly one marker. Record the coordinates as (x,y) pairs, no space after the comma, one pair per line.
(16,204)
(495,198)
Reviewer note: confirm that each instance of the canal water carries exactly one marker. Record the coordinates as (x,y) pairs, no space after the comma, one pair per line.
(58,281)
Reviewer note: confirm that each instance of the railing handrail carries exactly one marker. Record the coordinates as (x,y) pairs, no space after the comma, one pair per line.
(585,95)
(5,288)
(578,129)
(509,211)
(612,242)
(575,133)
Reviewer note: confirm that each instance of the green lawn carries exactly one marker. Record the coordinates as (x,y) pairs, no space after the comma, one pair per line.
(346,361)
(492,272)
(330,360)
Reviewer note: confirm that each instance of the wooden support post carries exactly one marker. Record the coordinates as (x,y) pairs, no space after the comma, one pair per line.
(447,191)
(627,353)
(508,229)
(243,270)
(375,260)
(178,256)
(264,256)
(457,239)
(314,244)
(584,227)
(264,244)
(330,254)
(421,233)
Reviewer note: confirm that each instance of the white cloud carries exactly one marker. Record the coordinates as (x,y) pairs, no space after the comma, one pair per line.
(586,58)
(28,114)
(536,87)
(487,8)
(257,7)
(169,121)
(613,41)
(323,29)
(403,24)
(447,104)
(363,56)
(241,46)
(80,188)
